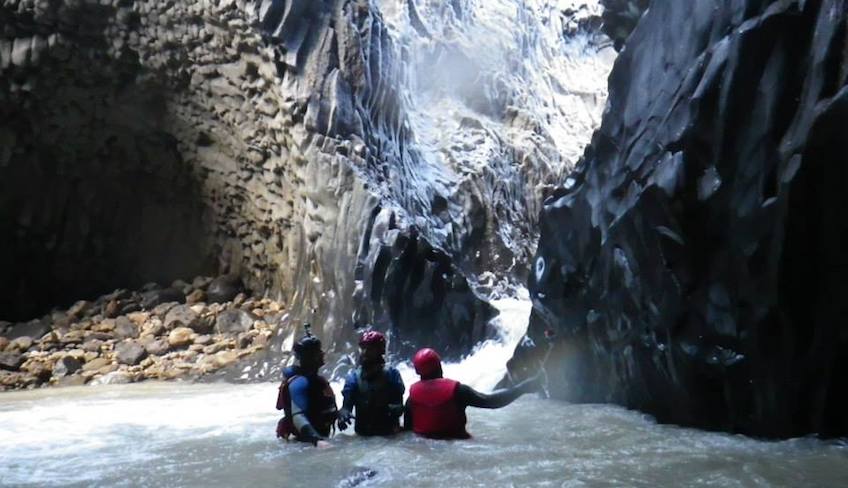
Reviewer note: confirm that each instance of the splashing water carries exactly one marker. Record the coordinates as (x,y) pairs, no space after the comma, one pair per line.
(486,365)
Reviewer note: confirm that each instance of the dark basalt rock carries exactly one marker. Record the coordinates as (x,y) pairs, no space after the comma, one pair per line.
(620,18)
(694,266)
(412,289)
(65,366)
(234,321)
(153,298)
(125,328)
(34,328)
(224,289)
(130,352)
(11,361)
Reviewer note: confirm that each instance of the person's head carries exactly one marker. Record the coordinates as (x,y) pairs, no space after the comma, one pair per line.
(308,352)
(427,364)
(372,347)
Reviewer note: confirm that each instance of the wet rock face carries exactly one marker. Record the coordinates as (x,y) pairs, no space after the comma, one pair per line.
(408,287)
(620,18)
(93,190)
(694,265)
(144,141)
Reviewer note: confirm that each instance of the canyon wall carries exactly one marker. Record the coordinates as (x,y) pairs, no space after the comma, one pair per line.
(693,266)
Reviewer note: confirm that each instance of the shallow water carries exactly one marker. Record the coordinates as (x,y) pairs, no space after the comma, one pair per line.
(172,434)
(182,434)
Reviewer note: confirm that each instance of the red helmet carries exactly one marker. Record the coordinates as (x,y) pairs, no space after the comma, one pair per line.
(373,338)
(427,362)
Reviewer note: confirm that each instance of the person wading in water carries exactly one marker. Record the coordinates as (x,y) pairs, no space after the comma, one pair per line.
(436,405)
(305,396)
(373,391)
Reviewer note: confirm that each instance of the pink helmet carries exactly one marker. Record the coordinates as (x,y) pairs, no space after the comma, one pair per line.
(373,338)
(427,362)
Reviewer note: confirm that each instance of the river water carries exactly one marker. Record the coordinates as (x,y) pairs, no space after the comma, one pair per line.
(182,434)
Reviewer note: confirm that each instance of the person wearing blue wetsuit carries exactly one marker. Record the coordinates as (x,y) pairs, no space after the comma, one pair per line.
(306,397)
(373,392)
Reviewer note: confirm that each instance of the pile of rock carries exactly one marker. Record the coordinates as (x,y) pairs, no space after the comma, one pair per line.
(183,331)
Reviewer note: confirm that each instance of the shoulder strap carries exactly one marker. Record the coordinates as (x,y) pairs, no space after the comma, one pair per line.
(283,397)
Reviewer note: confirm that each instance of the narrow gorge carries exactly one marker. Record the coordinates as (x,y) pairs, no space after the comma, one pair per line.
(663,177)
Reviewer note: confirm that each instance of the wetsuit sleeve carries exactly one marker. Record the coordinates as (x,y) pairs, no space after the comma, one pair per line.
(351,386)
(397,387)
(298,389)
(469,397)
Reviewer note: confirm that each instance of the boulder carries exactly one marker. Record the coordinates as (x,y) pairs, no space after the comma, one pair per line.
(130,352)
(92,345)
(65,366)
(153,298)
(21,344)
(95,364)
(73,337)
(196,296)
(125,328)
(181,337)
(33,328)
(157,347)
(41,371)
(107,325)
(11,361)
(203,339)
(3,343)
(234,321)
(154,327)
(224,289)
(182,316)
(102,336)
(138,318)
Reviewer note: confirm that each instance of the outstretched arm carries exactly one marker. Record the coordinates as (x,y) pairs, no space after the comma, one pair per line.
(300,405)
(467,396)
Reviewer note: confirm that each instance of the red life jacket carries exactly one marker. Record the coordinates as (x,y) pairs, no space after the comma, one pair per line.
(435,412)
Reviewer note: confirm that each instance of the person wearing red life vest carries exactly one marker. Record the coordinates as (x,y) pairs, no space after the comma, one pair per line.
(436,405)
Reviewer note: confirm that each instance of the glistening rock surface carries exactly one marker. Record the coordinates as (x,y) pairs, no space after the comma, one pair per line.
(694,266)
(286,139)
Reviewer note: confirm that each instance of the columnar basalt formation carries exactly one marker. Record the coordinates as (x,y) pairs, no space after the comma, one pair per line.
(148,141)
(694,265)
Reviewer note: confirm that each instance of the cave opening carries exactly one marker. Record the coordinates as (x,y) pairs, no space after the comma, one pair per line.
(94,193)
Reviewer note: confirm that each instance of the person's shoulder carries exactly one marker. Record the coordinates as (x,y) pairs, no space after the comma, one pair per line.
(299,382)
(392,372)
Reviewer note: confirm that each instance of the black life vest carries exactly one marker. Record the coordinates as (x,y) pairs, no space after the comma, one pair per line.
(322,411)
(373,397)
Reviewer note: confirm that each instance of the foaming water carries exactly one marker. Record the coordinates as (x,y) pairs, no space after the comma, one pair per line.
(180,434)
(486,365)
